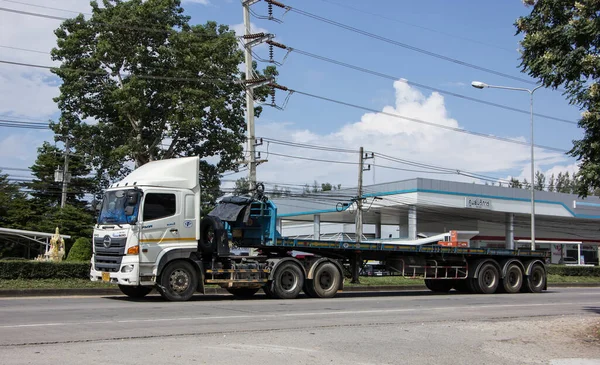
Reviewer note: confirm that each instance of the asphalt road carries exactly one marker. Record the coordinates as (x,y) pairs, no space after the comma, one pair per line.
(354,328)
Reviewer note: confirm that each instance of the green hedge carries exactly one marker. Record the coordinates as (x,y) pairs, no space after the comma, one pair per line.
(574,270)
(43,270)
(81,250)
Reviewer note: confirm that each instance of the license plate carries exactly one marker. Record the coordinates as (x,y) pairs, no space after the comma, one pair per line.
(105,276)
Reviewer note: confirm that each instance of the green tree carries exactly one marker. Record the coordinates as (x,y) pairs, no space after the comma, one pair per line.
(561,48)
(157,86)
(242,186)
(551,183)
(327,187)
(515,183)
(540,181)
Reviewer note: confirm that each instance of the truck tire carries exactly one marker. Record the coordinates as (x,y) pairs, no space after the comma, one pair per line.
(513,279)
(439,286)
(535,282)
(242,293)
(326,281)
(211,234)
(288,281)
(268,291)
(178,281)
(488,279)
(308,288)
(135,291)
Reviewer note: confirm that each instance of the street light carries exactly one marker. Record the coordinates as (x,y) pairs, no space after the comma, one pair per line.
(483,85)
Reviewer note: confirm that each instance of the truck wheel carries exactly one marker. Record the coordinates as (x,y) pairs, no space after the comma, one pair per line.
(439,286)
(327,279)
(211,234)
(178,281)
(242,293)
(513,280)
(287,281)
(488,279)
(268,291)
(135,291)
(535,282)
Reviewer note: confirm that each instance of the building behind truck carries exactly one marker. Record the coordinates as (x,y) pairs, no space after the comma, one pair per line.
(150,235)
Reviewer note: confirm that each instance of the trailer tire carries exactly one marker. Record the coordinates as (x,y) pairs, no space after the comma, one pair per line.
(178,281)
(439,286)
(243,293)
(137,292)
(535,282)
(288,281)
(267,289)
(488,279)
(326,281)
(211,234)
(513,279)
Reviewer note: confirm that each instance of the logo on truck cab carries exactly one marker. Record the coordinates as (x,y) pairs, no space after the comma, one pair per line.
(106,241)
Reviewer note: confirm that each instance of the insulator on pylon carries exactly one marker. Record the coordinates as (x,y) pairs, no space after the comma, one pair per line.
(270,10)
(271,52)
(252,36)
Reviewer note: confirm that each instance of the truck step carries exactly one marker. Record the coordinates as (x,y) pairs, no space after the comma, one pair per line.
(237,270)
(225,281)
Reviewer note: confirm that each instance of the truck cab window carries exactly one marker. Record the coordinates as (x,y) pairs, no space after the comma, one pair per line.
(159,206)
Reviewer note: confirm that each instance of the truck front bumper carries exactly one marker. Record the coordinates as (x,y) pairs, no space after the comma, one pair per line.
(128,274)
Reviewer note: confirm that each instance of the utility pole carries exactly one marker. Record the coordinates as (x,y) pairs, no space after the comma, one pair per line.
(64,176)
(359,213)
(249,100)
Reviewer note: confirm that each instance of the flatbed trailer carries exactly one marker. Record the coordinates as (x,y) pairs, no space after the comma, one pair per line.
(159,241)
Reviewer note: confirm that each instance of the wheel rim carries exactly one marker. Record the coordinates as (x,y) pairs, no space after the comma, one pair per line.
(513,278)
(536,278)
(489,279)
(325,280)
(179,280)
(288,280)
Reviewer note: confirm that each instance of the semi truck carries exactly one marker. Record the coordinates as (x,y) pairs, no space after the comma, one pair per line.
(150,235)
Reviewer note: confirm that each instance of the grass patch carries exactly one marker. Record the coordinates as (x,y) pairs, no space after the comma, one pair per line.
(52,284)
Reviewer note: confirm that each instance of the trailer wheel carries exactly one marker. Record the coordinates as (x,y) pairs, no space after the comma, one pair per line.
(178,281)
(513,280)
(439,286)
(211,234)
(135,291)
(242,293)
(326,281)
(288,280)
(308,288)
(488,279)
(535,282)
(268,291)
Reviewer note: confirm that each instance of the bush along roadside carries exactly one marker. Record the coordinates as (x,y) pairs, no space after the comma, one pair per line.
(10,270)
(564,270)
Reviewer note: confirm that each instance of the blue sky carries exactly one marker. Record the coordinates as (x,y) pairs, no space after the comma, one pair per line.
(480,33)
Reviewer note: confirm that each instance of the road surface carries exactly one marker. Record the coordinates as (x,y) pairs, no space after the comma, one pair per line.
(354,328)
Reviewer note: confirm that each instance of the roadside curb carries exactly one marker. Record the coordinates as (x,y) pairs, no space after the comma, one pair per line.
(6,293)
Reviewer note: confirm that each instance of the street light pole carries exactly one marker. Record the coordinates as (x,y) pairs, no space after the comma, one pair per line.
(482,85)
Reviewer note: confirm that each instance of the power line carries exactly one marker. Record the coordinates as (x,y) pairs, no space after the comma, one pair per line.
(407,46)
(418,26)
(44,7)
(454,129)
(423,86)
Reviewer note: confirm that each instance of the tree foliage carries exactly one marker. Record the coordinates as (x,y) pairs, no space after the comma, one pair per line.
(81,250)
(156,86)
(561,48)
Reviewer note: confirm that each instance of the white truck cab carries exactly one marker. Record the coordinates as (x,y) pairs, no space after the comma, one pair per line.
(155,210)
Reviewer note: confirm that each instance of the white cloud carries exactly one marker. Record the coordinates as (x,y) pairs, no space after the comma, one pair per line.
(395,137)
(240,29)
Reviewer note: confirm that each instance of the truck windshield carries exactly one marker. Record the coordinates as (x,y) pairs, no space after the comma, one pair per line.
(119,207)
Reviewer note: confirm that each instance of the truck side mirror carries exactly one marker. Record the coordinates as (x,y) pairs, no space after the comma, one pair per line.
(129,214)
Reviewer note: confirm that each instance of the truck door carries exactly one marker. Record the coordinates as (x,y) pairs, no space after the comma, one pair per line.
(161,224)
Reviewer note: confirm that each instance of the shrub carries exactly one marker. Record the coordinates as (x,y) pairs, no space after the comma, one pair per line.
(81,250)
(43,270)
(564,270)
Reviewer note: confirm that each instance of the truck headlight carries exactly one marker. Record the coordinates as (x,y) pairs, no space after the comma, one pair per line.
(127,268)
